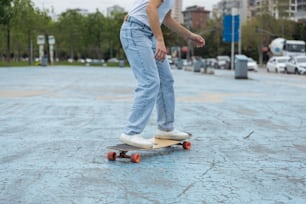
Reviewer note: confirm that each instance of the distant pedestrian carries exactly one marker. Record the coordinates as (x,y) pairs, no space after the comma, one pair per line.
(142,40)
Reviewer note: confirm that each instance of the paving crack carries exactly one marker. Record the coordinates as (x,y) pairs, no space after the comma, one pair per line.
(212,165)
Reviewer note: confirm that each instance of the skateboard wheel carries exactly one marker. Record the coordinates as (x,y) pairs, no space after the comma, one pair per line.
(135,158)
(187,145)
(111,156)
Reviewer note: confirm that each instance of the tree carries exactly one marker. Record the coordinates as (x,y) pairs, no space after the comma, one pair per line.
(213,37)
(95,34)
(22,26)
(114,24)
(25,23)
(70,31)
(6,15)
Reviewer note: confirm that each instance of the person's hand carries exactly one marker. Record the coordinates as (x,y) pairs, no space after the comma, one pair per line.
(196,39)
(161,50)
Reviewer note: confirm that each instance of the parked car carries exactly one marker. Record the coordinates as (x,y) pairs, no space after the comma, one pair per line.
(97,61)
(296,64)
(170,60)
(186,62)
(211,62)
(113,60)
(277,64)
(252,65)
(223,62)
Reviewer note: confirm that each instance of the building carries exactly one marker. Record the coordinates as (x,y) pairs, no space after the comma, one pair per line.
(251,9)
(245,8)
(290,9)
(300,11)
(195,17)
(177,11)
(114,9)
(274,8)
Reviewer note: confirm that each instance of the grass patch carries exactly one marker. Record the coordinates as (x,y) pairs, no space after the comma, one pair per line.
(14,64)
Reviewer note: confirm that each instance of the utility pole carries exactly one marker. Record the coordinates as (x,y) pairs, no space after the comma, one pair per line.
(233,38)
(241,17)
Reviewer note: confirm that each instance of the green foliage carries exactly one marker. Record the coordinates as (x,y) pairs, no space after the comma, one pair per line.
(5,11)
(69,32)
(300,32)
(13,64)
(96,35)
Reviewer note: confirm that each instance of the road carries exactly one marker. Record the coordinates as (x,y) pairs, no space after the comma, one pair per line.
(248,143)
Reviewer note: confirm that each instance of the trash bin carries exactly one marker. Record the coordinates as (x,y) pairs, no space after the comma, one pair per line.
(241,67)
(198,64)
(121,63)
(44,61)
(179,63)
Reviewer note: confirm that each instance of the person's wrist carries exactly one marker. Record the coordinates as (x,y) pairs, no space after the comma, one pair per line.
(188,36)
(160,39)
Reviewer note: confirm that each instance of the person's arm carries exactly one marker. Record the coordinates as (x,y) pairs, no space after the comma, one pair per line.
(152,12)
(183,32)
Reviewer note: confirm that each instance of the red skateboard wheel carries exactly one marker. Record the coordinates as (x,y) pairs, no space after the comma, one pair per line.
(187,145)
(135,158)
(111,156)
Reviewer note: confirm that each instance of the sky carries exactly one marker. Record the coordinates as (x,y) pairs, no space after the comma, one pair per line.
(62,5)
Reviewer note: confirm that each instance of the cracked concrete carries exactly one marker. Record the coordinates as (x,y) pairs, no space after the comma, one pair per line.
(248,143)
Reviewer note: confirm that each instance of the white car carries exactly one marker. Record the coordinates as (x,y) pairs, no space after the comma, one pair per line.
(223,62)
(296,64)
(277,64)
(252,65)
(170,60)
(113,60)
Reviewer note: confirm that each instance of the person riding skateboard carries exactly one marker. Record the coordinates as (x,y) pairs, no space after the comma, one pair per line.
(143,43)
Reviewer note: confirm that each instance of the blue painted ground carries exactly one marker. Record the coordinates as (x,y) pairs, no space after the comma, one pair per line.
(249,140)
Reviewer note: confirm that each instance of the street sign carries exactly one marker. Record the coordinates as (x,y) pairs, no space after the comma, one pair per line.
(40,39)
(51,40)
(231,26)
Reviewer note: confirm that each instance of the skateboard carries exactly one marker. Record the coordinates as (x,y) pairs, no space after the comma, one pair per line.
(123,149)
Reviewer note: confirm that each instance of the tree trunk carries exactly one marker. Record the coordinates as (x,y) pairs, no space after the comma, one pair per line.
(8,46)
(30,49)
(259,49)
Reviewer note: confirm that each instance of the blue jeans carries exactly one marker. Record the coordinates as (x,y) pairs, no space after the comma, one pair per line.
(154,78)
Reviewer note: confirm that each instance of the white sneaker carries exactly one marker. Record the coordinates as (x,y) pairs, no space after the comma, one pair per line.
(172,135)
(136,141)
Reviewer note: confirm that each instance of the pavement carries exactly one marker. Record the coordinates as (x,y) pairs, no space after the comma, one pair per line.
(248,144)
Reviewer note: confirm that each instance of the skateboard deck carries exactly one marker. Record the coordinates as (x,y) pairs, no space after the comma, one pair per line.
(158,144)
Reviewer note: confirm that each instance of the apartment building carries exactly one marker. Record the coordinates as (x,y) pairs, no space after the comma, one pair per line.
(195,17)
(245,8)
(291,9)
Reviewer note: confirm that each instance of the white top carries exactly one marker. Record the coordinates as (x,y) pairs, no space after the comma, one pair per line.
(138,10)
